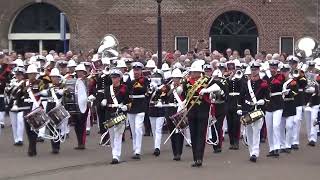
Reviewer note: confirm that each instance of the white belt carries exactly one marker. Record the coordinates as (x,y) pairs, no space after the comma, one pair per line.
(276,94)
(113,105)
(300,90)
(249,103)
(234,94)
(101,90)
(167,105)
(1,95)
(219,102)
(288,99)
(137,96)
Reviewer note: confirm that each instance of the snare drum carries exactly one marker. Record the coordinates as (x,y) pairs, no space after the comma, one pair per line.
(58,115)
(176,118)
(77,99)
(118,119)
(37,119)
(251,117)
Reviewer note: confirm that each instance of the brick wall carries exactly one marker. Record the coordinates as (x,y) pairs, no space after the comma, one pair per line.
(134,21)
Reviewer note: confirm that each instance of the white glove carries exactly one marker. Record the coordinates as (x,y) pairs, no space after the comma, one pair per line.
(104,102)
(260,102)
(239,112)
(310,90)
(153,85)
(91,98)
(159,104)
(222,92)
(286,92)
(124,108)
(27,100)
(211,89)
(59,91)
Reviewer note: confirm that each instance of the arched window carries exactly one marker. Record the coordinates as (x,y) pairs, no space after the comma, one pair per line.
(234,30)
(37,28)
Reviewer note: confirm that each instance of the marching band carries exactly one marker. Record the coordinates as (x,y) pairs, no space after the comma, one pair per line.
(45,97)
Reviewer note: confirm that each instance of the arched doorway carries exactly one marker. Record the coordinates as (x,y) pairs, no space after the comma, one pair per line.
(37,28)
(235,30)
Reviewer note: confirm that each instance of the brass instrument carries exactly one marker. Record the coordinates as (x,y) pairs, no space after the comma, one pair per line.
(307,48)
(109,47)
(180,118)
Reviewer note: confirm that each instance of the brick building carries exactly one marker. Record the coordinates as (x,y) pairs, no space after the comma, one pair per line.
(268,25)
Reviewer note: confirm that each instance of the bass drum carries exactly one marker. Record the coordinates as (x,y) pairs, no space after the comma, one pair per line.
(76,97)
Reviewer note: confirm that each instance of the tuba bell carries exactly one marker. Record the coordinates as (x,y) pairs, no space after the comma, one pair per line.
(307,48)
(109,47)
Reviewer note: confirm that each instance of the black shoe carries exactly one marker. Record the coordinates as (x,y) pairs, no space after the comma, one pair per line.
(156,152)
(40,139)
(114,161)
(32,153)
(276,153)
(80,147)
(287,150)
(231,147)
(19,143)
(188,145)
(295,147)
(177,158)
(146,134)
(236,147)
(271,154)
(253,158)
(88,133)
(136,157)
(197,164)
(55,151)
(2,126)
(312,143)
(217,150)
(318,133)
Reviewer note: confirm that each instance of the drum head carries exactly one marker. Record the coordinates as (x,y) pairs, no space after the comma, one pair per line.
(81,96)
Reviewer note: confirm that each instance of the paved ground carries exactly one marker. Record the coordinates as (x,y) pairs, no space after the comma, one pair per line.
(93,163)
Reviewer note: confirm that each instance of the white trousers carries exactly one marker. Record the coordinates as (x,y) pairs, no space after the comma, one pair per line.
(42,131)
(273,120)
(252,132)
(156,127)
(297,125)
(311,115)
(2,117)
(136,126)
(187,135)
(17,124)
(116,133)
(286,132)
(88,126)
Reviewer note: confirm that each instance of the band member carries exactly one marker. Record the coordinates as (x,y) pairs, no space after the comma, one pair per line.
(253,97)
(274,109)
(116,101)
(156,112)
(54,101)
(198,105)
(235,83)
(301,80)
(290,90)
(15,105)
(4,79)
(137,88)
(45,79)
(79,118)
(32,98)
(174,96)
(312,103)
(220,110)
(103,80)
(71,67)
